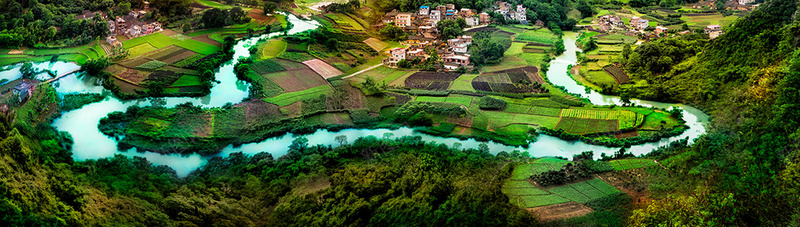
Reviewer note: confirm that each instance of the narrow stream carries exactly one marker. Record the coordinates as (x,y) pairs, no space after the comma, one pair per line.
(90,143)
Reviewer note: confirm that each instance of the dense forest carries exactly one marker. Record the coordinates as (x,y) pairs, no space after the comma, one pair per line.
(29,23)
(745,170)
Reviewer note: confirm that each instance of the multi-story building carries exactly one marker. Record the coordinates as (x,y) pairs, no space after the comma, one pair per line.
(402,20)
(424,10)
(395,55)
(484,18)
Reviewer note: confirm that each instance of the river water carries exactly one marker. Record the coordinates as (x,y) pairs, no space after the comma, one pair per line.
(90,143)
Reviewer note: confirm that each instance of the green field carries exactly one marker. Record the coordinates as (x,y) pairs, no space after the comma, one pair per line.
(140,49)
(197,46)
(542,200)
(633,163)
(515,49)
(286,99)
(539,36)
(524,191)
(570,193)
(273,48)
(603,186)
(464,82)
(186,80)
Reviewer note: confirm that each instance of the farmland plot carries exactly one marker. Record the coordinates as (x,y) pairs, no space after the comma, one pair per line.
(431,80)
(322,68)
(296,80)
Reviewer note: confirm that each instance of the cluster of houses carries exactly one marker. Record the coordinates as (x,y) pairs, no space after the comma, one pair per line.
(421,25)
(511,13)
(428,17)
(453,53)
(131,25)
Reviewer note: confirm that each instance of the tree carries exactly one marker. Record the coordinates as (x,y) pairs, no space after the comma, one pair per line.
(393,33)
(450,29)
(269,7)
(584,8)
(341,140)
(238,15)
(215,18)
(626,51)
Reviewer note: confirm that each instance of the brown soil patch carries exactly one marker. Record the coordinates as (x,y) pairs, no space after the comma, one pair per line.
(258,15)
(168,32)
(293,110)
(174,55)
(632,181)
(132,76)
(376,44)
(205,39)
(126,87)
(626,135)
(296,80)
(17,51)
(257,111)
(206,130)
(133,63)
(323,69)
(560,211)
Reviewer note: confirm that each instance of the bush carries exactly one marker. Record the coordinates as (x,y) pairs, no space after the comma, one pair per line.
(489,103)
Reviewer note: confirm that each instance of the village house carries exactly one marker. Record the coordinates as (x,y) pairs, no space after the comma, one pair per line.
(661,29)
(389,17)
(112,40)
(453,62)
(639,23)
(402,20)
(450,6)
(609,22)
(395,55)
(521,14)
(484,18)
(424,10)
(23,90)
(441,8)
(435,16)
(416,53)
(472,21)
(450,14)
(713,31)
(464,12)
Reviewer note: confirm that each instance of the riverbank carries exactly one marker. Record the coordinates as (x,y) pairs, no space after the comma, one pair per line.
(94,144)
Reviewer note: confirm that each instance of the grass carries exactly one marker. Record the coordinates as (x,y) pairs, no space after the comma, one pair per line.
(197,46)
(522,172)
(570,193)
(218,5)
(459,100)
(286,99)
(273,48)
(633,163)
(430,99)
(186,80)
(515,49)
(539,36)
(140,49)
(588,190)
(517,184)
(603,186)
(524,191)
(535,59)
(542,200)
